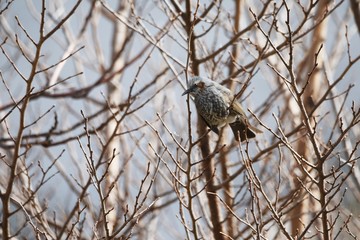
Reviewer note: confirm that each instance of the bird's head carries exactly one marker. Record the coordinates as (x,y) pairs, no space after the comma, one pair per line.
(196,85)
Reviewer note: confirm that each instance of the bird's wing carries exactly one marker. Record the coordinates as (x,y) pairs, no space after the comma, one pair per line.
(236,106)
(242,124)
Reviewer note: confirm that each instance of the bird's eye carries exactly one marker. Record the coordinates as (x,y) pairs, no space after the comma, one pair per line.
(200,85)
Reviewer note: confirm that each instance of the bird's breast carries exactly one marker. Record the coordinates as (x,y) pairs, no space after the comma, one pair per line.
(212,107)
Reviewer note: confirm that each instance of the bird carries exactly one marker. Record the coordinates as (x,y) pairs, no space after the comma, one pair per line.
(217,106)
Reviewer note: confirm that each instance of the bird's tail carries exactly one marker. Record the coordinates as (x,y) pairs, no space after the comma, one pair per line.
(243,130)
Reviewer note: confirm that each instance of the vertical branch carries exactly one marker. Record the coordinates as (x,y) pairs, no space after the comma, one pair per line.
(119,43)
(355,7)
(223,157)
(5,197)
(202,130)
(235,47)
(310,77)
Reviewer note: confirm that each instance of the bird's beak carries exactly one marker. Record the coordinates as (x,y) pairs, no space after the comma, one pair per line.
(190,90)
(186,92)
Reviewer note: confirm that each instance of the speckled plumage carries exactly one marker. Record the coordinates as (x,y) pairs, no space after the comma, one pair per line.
(216,105)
